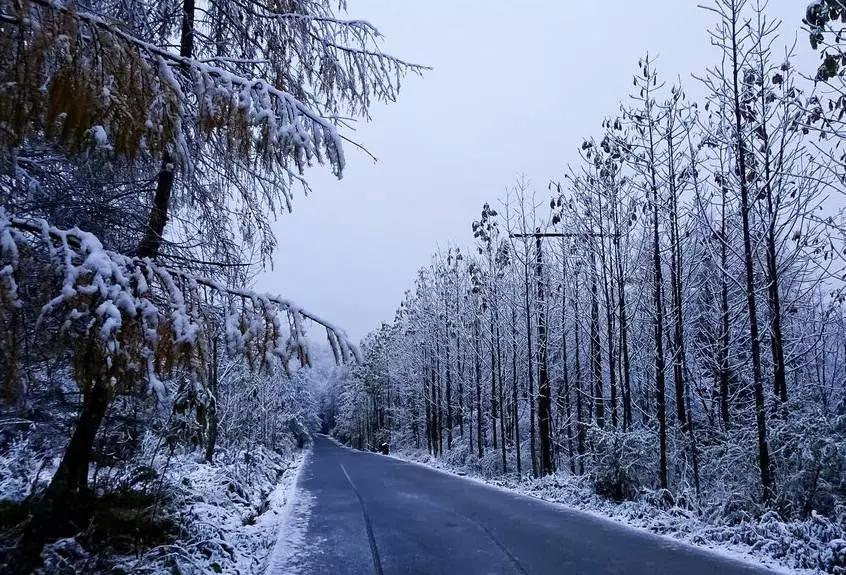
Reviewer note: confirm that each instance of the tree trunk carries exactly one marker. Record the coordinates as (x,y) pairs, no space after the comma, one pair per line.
(449,419)
(501,391)
(493,381)
(598,392)
(211,415)
(480,436)
(531,370)
(608,292)
(658,294)
(70,483)
(725,332)
(427,395)
(64,508)
(624,338)
(748,260)
(675,285)
(154,233)
(439,420)
(580,422)
(460,359)
(514,394)
(547,464)
(565,404)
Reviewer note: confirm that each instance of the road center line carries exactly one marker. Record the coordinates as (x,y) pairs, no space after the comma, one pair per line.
(377,563)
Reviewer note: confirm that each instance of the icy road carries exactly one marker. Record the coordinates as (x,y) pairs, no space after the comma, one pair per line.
(359,513)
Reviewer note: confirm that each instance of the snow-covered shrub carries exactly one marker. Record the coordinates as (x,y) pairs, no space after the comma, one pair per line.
(66,557)
(491,463)
(224,519)
(802,544)
(19,470)
(835,557)
(459,454)
(622,462)
(811,458)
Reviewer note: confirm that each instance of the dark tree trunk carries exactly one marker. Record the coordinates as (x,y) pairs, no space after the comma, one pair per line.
(154,233)
(480,436)
(624,338)
(748,260)
(70,483)
(65,506)
(580,422)
(596,347)
(186,37)
(776,332)
(514,394)
(493,381)
(449,420)
(608,292)
(460,359)
(676,287)
(531,370)
(565,391)
(151,243)
(211,415)
(725,332)
(774,297)
(427,398)
(658,294)
(439,420)
(501,391)
(547,464)
(565,406)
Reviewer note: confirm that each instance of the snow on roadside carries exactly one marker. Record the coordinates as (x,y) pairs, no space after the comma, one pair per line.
(783,547)
(291,526)
(231,512)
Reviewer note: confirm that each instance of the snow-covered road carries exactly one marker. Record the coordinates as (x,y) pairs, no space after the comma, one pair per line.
(375,514)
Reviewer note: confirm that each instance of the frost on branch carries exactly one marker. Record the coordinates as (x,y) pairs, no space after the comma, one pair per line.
(235,115)
(133,322)
(71,71)
(266,83)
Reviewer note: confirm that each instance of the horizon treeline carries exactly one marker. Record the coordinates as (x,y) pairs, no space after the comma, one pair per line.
(668,317)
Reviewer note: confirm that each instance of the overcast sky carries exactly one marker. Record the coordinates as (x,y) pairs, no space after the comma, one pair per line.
(515,87)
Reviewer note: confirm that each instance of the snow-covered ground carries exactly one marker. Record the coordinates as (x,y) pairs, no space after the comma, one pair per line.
(808,547)
(291,525)
(221,518)
(235,517)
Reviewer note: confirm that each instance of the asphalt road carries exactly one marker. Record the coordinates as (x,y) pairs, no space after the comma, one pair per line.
(362,513)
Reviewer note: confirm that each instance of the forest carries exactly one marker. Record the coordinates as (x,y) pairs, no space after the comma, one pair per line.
(151,401)
(665,323)
(657,334)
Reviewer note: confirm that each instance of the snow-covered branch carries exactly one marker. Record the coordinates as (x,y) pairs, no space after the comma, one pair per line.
(184,92)
(134,307)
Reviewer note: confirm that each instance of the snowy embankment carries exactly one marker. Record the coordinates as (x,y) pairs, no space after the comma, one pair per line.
(232,515)
(816,545)
(193,518)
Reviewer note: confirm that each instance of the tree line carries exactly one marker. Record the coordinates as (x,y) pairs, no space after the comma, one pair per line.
(145,150)
(668,317)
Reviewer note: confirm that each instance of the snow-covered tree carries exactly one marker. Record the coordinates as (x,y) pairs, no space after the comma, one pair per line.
(145,149)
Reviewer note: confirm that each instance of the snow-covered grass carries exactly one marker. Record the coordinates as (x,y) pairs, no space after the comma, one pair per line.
(231,514)
(816,545)
(188,517)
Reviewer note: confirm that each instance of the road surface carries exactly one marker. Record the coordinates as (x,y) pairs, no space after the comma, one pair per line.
(361,514)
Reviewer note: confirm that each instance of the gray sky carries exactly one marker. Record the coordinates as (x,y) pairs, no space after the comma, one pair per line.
(515,88)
